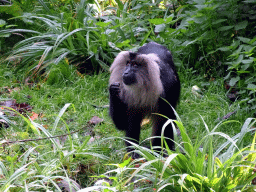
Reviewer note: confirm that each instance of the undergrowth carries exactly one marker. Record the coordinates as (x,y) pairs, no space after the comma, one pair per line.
(89,97)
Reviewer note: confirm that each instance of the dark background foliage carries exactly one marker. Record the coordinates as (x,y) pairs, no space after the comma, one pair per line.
(216,38)
(54,52)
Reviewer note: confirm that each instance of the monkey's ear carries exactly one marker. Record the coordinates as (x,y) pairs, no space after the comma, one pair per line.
(118,66)
(120,60)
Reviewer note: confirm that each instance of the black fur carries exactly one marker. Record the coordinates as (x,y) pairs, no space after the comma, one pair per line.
(129,118)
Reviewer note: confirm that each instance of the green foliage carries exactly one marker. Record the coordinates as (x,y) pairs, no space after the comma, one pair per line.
(6,12)
(215,38)
(81,149)
(89,94)
(11,9)
(74,30)
(196,168)
(203,34)
(242,69)
(77,36)
(32,166)
(206,37)
(202,27)
(61,73)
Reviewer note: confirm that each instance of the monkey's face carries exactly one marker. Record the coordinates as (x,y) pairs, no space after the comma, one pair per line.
(129,74)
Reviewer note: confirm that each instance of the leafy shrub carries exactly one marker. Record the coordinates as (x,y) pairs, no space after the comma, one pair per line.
(76,31)
(62,73)
(241,66)
(198,167)
(202,27)
(216,38)
(7,11)
(65,35)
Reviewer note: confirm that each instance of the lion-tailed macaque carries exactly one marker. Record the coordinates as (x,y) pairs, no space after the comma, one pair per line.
(138,85)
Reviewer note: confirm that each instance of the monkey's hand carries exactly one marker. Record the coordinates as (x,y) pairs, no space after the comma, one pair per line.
(114,88)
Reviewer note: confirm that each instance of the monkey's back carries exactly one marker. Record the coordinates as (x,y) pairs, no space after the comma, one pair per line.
(168,74)
(162,52)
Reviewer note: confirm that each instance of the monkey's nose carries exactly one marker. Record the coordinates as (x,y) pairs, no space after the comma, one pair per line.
(129,79)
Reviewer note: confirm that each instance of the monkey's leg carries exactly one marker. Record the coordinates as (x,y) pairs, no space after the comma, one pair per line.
(168,133)
(133,131)
(159,121)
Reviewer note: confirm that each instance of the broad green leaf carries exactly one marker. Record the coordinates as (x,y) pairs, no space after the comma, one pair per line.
(235,44)
(183,30)
(247,61)
(237,52)
(227,77)
(199,2)
(125,163)
(169,19)
(200,6)
(200,19)
(240,72)
(251,86)
(244,67)
(157,21)
(190,21)
(244,40)
(218,21)
(168,31)
(2,22)
(239,60)
(241,25)
(224,48)
(234,80)
(225,28)
(252,41)
(160,28)
(137,7)
(252,100)
(103,24)
(125,43)
(248,48)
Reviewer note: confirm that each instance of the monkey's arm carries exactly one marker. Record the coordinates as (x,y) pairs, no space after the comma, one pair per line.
(117,108)
(123,118)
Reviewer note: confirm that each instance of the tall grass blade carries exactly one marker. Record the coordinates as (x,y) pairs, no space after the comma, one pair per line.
(45,6)
(48,134)
(45,54)
(62,111)
(11,180)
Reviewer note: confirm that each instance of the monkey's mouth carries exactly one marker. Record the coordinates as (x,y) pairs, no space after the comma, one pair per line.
(129,80)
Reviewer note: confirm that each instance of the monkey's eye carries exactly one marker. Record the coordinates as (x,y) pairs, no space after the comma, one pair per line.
(134,64)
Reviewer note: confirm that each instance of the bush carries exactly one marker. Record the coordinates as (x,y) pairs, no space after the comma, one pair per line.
(197,167)
(80,34)
(241,67)
(215,38)
(77,36)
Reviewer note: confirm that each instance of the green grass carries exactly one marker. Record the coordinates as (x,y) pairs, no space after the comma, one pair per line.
(85,92)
